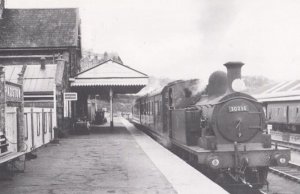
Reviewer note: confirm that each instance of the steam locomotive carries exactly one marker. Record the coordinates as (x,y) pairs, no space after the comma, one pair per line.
(220,130)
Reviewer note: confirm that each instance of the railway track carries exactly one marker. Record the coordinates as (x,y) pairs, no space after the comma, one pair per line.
(291,171)
(243,188)
(292,146)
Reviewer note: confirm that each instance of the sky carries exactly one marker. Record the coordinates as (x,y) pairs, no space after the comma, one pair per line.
(182,39)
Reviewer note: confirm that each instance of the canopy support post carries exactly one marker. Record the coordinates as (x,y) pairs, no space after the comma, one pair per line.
(111,107)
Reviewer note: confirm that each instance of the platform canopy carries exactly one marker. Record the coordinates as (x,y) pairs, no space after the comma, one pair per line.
(282,91)
(110,74)
(107,78)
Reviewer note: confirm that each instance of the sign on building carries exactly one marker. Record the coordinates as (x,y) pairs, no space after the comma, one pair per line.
(13,92)
(70,96)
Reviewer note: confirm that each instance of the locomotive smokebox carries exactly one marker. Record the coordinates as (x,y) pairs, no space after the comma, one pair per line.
(233,72)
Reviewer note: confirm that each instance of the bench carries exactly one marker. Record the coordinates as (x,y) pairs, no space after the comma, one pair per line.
(3,143)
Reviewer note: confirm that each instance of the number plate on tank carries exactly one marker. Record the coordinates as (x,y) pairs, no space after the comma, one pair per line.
(243,108)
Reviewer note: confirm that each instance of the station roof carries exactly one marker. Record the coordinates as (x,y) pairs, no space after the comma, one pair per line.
(32,28)
(39,80)
(111,74)
(282,91)
(36,80)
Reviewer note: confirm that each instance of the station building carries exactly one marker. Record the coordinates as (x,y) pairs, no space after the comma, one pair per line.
(39,37)
(42,36)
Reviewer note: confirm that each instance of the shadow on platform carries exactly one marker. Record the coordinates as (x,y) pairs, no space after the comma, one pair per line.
(105,129)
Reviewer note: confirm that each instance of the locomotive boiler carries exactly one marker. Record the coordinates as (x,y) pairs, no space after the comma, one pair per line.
(223,132)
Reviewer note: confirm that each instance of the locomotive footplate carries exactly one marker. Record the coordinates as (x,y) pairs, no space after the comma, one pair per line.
(229,157)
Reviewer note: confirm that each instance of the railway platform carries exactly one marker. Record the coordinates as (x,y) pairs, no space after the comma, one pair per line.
(121,160)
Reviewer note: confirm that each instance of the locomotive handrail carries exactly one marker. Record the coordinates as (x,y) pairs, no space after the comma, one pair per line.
(250,99)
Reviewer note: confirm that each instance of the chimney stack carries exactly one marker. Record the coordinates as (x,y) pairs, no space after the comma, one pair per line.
(233,72)
(2,6)
(43,63)
(60,60)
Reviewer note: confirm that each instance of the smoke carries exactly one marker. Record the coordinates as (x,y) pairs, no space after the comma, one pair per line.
(198,87)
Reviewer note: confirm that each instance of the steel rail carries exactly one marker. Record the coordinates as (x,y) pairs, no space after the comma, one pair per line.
(288,171)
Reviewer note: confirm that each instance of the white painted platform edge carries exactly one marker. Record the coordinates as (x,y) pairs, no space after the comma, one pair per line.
(184,178)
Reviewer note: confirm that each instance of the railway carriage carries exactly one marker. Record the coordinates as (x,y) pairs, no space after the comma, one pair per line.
(284,115)
(154,110)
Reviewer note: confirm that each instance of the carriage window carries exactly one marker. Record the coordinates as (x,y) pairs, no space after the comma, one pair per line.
(26,126)
(159,107)
(153,107)
(147,108)
(297,110)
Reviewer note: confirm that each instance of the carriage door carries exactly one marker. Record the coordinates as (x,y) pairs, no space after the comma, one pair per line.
(170,108)
(11,128)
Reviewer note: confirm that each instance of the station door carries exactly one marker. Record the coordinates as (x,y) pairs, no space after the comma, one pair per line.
(11,128)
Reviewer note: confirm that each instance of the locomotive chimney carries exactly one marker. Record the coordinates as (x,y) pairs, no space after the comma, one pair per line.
(233,72)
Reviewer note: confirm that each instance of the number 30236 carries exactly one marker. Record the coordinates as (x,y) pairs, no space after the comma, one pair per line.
(243,108)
